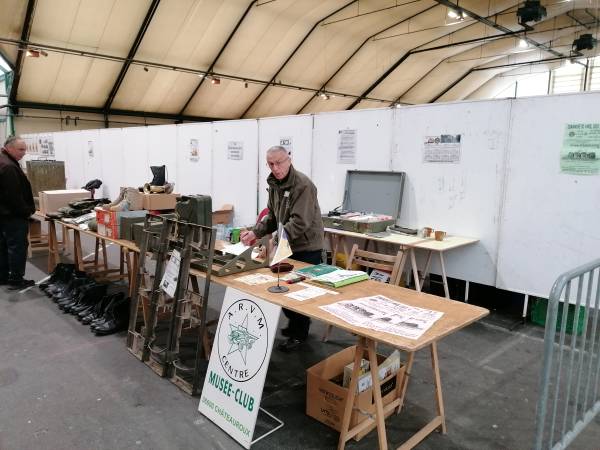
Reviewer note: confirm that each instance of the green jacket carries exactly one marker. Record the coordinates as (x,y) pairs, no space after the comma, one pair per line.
(302,217)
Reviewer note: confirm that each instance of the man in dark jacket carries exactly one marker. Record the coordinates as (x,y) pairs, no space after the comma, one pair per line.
(292,203)
(16,205)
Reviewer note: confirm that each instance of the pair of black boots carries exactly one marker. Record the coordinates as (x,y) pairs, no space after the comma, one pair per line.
(78,294)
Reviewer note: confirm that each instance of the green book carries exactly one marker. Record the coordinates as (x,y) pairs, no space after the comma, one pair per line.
(341,277)
(317,270)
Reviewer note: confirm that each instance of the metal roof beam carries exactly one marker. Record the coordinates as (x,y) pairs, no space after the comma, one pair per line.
(468,41)
(292,55)
(132,51)
(25,32)
(339,69)
(212,65)
(114,112)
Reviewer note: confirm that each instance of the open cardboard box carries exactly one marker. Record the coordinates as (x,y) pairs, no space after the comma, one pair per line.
(223,215)
(326,399)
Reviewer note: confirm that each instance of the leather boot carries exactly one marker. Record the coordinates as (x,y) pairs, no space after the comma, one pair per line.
(117,319)
(118,200)
(158,173)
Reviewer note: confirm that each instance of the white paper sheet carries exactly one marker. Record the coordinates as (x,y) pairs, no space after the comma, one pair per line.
(308,293)
(257,278)
(235,249)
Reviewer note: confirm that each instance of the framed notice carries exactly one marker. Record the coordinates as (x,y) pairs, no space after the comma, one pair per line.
(444,148)
(347,143)
(238,364)
(235,150)
(580,153)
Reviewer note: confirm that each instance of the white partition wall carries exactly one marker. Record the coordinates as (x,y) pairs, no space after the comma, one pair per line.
(92,156)
(60,146)
(235,171)
(162,150)
(371,131)
(113,169)
(550,219)
(461,197)
(292,132)
(135,156)
(75,163)
(194,159)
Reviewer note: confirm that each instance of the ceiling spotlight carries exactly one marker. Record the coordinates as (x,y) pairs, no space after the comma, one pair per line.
(215,80)
(453,14)
(324,96)
(145,69)
(531,11)
(246,84)
(523,43)
(584,42)
(35,53)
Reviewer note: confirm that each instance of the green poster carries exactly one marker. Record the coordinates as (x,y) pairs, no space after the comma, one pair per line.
(580,154)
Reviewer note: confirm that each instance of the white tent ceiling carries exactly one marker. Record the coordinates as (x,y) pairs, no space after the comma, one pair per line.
(272,57)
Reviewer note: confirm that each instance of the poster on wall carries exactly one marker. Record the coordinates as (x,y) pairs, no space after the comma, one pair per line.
(347,140)
(444,148)
(235,150)
(286,142)
(46,145)
(238,364)
(580,153)
(194,155)
(31,144)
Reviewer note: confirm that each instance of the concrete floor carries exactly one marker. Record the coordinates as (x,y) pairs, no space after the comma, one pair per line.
(63,388)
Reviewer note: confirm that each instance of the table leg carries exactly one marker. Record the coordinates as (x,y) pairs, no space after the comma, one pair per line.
(427,266)
(435,366)
(401,268)
(379,415)
(96,252)
(360,349)
(78,253)
(466,291)
(104,255)
(439,420)
(444,279)
(66,241)
(415,269)
(53,258)
(405,380)
(525,304)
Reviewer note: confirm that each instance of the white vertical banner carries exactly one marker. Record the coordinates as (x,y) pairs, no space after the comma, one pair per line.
(238,364)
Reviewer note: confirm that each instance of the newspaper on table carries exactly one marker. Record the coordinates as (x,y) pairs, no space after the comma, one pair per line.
(383,314)
(308,293)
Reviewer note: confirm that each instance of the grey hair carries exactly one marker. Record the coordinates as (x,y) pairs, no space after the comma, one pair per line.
(277,148)
(11,140)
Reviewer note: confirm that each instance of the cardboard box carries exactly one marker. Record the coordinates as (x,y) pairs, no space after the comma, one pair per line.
(117,224)
(50,201)
(326,397)
(160,202)
(223,215)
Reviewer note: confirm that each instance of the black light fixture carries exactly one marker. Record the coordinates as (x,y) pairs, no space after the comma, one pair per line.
(531,11)
(584,42)
(145,69)
(215,81)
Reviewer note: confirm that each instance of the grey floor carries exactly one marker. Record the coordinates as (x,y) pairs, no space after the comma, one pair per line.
(63,388)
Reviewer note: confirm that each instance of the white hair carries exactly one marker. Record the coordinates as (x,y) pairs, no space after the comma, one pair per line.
(277,148)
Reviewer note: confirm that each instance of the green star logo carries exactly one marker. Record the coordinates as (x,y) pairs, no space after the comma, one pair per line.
(240,339)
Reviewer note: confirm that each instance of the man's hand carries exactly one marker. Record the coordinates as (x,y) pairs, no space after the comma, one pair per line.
(247,237)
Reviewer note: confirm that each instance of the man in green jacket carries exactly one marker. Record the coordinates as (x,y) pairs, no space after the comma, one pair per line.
(292,203)
(16,205)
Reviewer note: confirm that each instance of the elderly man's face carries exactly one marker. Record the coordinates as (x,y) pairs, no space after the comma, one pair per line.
(16,149)
(279,163)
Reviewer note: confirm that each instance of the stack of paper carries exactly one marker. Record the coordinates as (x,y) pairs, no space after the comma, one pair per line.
(339,278)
